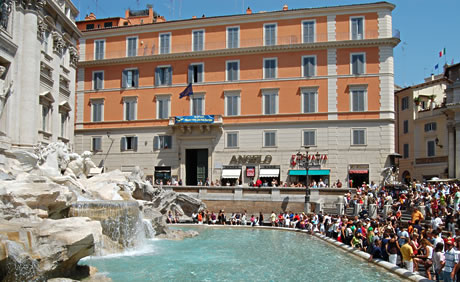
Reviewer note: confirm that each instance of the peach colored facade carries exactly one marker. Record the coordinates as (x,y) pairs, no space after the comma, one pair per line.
(350,116)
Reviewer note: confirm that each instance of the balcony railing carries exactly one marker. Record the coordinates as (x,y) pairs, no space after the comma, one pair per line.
(148,49)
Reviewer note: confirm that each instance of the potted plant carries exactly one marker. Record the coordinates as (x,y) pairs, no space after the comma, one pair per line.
(417,100)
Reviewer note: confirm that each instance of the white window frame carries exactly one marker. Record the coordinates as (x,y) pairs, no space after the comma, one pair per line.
(308,89)
(159,42)
(303,68)
(204,39)
(364,27)
(365,137)
(276,33)
(276,67)
(127,45)
(314,30)
(131,69)
(202,75)
(130,98)
(159,136)
(97,101)
(276,138)
(198,95)
(103,79)
(92,143)
(303,136)
(266,92)
(95,43)
(237,139)
(364,63)
(163,85)
(163,97)
(358,88)
(226,69)
(226,37)
(126,143)
(434,148)
(232,94)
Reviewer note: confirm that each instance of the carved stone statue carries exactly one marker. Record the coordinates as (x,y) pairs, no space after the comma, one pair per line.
(5,90)
(5,10)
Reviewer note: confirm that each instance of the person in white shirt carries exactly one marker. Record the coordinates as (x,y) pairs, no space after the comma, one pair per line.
(436,221)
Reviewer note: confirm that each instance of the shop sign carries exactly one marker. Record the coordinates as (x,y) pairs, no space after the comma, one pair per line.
(311,159)
(251,159)
(195,119)
(250,171)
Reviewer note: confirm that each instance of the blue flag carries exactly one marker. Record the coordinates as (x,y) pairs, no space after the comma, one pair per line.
(436,67)
(187,92)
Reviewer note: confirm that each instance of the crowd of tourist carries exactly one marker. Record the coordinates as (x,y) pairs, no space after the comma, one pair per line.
(429,240)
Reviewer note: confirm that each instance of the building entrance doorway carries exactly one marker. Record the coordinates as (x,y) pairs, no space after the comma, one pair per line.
(196,166)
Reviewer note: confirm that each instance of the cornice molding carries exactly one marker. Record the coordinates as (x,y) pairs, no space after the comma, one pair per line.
(243,51)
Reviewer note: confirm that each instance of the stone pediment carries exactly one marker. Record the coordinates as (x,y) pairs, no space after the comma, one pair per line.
(47,96)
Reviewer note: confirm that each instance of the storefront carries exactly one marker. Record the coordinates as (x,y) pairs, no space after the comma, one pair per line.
(162,174)
(231,175)
(357,175)
(269,175)
(315,175)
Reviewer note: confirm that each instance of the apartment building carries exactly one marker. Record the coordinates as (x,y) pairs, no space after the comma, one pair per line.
(38,57)
(267,87)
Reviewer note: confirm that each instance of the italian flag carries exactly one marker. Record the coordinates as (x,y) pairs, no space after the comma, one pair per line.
(442,53)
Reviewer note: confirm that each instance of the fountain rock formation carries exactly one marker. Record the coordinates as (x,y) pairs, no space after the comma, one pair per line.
(52,213)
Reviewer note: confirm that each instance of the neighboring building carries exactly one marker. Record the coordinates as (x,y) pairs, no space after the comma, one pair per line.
(421,130)
(265,85)
(452,73)
(38,57)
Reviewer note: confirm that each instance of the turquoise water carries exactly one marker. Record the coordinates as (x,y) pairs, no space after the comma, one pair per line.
(224,254)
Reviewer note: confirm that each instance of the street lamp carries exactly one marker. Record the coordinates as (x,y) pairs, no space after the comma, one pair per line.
(306,164)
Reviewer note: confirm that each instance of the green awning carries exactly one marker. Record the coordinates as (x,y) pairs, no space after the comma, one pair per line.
(302,172)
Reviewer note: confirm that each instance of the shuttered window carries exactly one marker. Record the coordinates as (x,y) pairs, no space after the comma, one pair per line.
(163,76)
(358,100)
(270,103)
(359,136)
(98,80)
(232,105)
(97,110)
(162,142)
(357,63)
(195,73)
(270,34)
(128,143)
(165,43)
(270,68)
(232,139)
(309,101)
(309,66)
(96,144)
(269,138)
(163,108)
(308,31)
(130,107)
(99,49)
(130,78)
(233,37)
(357,28)
(132,46)
(309,138)
(198,40)
(232,70)
(197,105)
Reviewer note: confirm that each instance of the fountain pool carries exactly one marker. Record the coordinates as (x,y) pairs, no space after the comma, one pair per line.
(226,254)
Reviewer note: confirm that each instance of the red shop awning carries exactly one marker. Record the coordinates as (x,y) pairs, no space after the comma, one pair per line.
(359,171)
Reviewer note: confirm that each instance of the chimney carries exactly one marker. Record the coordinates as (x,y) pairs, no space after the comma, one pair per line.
(285,7)
(248,11)
(91,16)
(126,14)
(193,17)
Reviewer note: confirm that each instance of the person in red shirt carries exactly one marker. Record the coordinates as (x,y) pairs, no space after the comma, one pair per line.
(258,183)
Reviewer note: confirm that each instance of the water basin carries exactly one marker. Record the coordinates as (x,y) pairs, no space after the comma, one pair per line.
(226,254)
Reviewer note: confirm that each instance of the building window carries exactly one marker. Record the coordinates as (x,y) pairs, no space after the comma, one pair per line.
(269,34)
(96,144)
(162,142)
(233,69)
(98,80)
(64,122)
(404,103)
(89,26)
(358,100)
(131,46)
(358,62)
(97,110)
(130,78)
(357,28)
(405,126)
(130,108)
(108,24)
(233,37)
(309,100)
(99,49)
(232,140)
(270,68)
(163,105)
(46,113)
(270,102)
(308,29)
(195,73)
(359,137)
(309,138)
(269,138)
(197,104)
(309,66)
(406,151)
(198,40)
(232,103)
(163,75)
(165,43)
(128,143)
(431,145)
(430,126)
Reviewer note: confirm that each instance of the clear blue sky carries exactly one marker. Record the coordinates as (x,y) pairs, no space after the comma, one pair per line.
(426,26)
